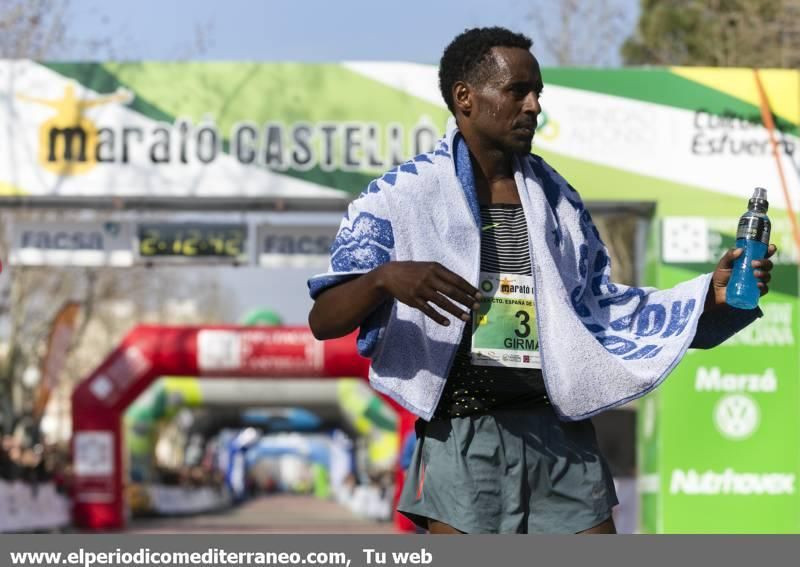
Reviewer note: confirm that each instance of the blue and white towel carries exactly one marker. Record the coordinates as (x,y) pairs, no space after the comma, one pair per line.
(602,344)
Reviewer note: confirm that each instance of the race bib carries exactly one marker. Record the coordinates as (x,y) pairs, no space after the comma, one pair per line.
(504,328)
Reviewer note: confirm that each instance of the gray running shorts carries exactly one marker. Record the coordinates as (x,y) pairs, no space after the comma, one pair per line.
(513,471)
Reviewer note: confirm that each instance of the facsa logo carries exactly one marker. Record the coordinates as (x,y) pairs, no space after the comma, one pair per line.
(731,482)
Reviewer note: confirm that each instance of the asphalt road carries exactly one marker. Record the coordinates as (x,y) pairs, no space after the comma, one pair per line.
(268,514)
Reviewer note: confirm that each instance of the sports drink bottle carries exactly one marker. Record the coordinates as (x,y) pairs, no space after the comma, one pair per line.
(753,236)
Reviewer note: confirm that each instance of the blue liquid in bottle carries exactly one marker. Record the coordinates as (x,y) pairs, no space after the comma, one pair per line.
(753,236)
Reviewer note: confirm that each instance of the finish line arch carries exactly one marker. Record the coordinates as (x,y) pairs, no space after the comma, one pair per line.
(148,352)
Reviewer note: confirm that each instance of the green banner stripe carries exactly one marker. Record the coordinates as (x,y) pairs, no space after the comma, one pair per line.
(287,92)
(280,92)
(96,77)
(605,183)
(657,86)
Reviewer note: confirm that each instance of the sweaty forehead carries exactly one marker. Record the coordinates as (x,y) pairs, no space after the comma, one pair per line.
(512,65)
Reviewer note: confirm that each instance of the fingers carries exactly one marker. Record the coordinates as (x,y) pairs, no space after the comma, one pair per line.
(429,286)
(458,282)
(763,268)
(457,294)
(762,276)
(762,271)
(726,262)
(446,305)
(763,265)
(426,308)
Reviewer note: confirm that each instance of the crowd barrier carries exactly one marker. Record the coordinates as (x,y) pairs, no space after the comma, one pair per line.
(28,508)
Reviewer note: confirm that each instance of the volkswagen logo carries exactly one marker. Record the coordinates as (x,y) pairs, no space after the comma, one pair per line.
(737,416)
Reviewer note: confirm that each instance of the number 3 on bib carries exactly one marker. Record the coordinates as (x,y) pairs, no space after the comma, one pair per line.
(504,330)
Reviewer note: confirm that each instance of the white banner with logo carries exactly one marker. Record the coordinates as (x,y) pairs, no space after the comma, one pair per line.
(295,246)
(71,244)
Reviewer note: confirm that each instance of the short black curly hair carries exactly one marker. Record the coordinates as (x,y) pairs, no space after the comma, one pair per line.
(463,59)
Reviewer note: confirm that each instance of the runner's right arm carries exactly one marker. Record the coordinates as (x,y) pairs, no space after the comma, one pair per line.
(341,309)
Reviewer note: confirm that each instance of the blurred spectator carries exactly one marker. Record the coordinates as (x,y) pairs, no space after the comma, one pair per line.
(33,464)
(344,492)
(61,470)
(6,463)
(13,470)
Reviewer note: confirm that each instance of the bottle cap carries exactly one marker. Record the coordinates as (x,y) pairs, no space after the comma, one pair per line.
(758,202)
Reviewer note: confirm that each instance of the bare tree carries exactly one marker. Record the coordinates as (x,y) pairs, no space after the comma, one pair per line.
(589,33)
(32,29)
(578,32)
(112,301)
(40,29)
(31,297)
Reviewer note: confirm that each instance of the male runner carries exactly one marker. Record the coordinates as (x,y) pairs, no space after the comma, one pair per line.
(494,458)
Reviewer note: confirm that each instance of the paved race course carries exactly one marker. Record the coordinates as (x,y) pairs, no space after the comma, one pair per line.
(268,514)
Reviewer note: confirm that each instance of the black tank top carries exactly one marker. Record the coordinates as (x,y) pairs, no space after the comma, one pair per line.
(471,389)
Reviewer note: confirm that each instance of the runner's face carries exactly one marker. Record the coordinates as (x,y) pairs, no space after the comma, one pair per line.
(506,104)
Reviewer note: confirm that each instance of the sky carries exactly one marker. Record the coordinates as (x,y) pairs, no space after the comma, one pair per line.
(310,31)
(320,30)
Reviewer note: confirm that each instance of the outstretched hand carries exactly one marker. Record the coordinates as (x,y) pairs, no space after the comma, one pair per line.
(722,274)
(425,284)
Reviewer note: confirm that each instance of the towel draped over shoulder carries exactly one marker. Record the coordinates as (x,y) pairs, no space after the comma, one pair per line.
(602,344)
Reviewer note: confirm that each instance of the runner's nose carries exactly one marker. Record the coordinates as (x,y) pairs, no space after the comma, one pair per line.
(531,104)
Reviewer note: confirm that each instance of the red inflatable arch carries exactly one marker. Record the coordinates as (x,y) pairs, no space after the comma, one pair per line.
(149,352)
